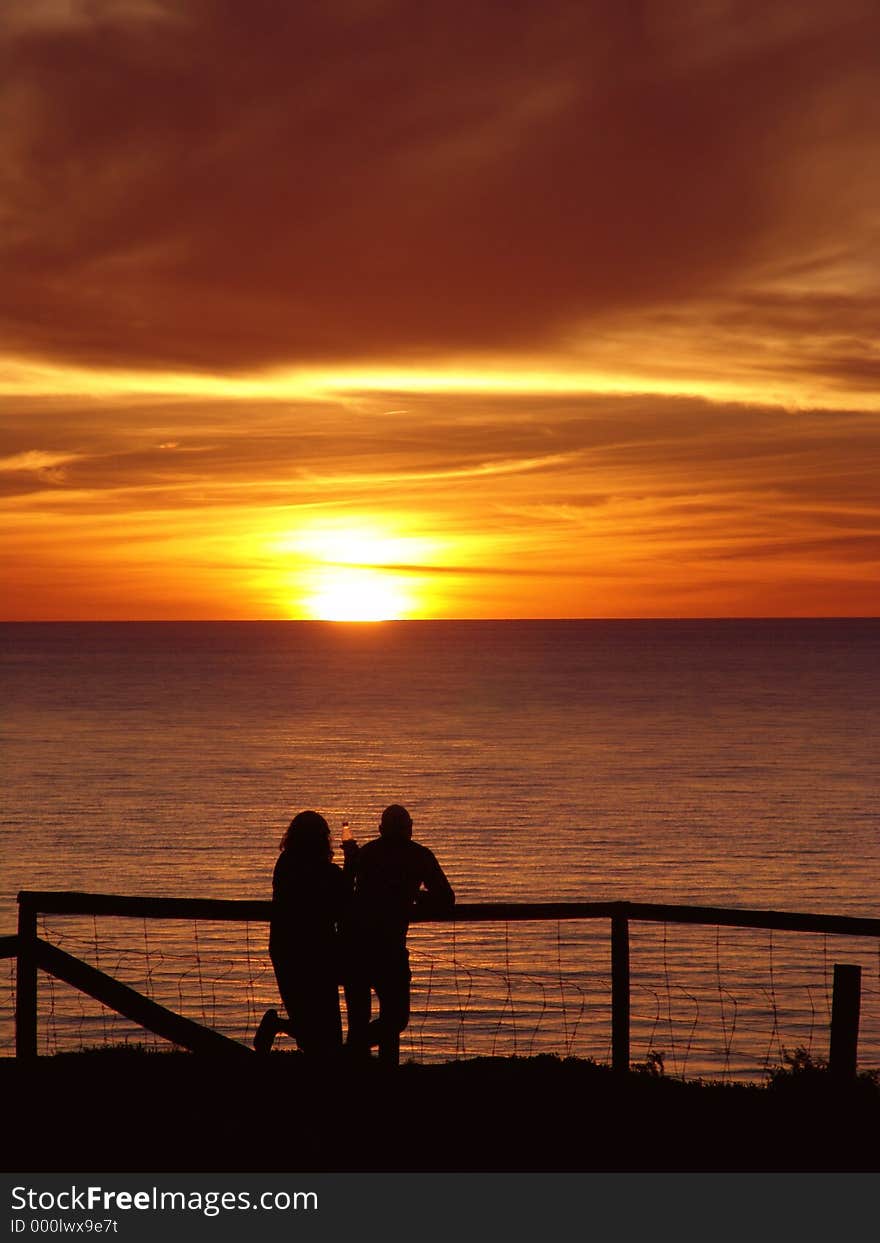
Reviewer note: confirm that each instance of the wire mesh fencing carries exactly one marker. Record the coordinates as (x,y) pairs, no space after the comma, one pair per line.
(705,1001)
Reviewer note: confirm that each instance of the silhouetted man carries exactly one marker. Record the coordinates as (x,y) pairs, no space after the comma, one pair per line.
(393,876)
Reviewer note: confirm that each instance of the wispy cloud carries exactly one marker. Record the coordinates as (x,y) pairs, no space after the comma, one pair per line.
(36,460)
(40,465)
(481,470)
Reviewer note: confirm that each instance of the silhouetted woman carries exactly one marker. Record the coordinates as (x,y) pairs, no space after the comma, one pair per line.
(309,898)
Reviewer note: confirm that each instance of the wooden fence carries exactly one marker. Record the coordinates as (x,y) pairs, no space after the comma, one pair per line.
(33,954)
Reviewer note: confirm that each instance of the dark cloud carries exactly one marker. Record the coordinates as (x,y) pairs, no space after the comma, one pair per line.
(227,185)
(851,315)
(859,371)
(860,549)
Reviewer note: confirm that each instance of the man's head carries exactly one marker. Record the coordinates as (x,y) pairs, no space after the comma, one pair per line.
(396,824)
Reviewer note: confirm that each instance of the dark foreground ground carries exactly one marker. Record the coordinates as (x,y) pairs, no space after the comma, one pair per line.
(128,1111)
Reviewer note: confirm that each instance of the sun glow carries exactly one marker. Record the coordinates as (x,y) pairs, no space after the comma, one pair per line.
(358,571)
(348,594)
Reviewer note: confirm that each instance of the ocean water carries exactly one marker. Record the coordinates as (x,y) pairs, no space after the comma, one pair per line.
(713,763)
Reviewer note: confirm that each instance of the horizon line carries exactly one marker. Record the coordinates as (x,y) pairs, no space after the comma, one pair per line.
(396,621)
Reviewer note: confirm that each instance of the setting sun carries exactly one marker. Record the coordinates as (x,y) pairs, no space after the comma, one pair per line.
(357,570)
(357,595)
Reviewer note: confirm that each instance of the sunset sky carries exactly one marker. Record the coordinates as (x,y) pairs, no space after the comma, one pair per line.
(360,309)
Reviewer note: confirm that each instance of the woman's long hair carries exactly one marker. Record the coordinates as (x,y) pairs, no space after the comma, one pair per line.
(307,839)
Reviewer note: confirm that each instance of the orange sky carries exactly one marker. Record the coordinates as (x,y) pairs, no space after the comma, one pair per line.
(374,309)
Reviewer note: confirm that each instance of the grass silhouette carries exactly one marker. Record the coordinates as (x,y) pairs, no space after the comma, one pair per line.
(127,1109)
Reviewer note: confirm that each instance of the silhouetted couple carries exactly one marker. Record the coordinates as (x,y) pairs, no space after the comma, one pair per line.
(347,925)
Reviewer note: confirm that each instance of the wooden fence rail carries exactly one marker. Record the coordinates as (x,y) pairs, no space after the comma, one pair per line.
(34,954)
(58,902)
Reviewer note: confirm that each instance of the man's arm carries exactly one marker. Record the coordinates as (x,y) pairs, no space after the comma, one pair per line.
(438,896)
(350,852)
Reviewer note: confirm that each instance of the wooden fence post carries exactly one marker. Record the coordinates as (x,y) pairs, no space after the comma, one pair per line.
(26,981)
(620,992)
(845,1007)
